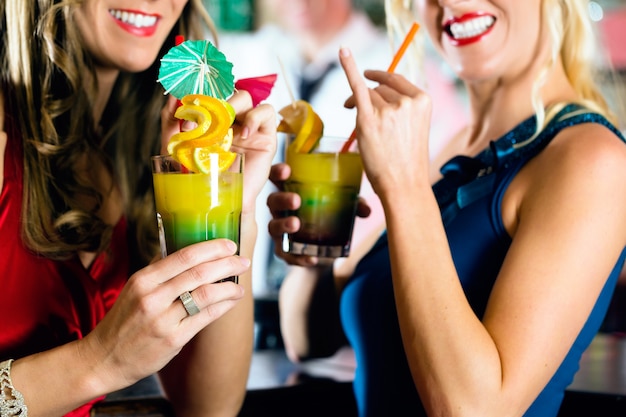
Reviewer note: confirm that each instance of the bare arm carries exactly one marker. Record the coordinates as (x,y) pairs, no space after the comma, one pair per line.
(144,330)
(309,313)
(209,376)
(309,303)
(549,272)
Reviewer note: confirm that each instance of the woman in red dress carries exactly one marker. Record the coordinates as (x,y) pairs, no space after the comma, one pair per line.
(86,306)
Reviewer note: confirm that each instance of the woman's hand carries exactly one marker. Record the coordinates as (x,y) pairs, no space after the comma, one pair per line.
(282,202)
(148,324)
(254,136)
(392,126)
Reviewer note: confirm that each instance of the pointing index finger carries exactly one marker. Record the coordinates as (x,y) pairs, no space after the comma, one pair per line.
(357,83)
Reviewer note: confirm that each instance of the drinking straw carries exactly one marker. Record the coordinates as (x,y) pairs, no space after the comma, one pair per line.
(178,39)
(392,67)
(282,69)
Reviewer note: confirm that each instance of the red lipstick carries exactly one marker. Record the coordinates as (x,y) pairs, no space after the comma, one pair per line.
(461,33)
(142,30)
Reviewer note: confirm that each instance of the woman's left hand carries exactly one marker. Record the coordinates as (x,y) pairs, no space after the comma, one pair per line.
(254,136)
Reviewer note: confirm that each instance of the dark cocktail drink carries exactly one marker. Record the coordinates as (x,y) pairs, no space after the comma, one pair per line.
(328,183)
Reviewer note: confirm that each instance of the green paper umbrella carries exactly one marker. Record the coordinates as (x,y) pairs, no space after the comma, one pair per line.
(196,67)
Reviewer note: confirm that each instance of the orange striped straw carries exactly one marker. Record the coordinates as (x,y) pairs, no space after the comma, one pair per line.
(392,67)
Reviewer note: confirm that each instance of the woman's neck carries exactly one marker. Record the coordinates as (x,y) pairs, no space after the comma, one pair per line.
(498,106)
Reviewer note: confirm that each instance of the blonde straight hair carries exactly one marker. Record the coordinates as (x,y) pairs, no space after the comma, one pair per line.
(573,39)
(399,17)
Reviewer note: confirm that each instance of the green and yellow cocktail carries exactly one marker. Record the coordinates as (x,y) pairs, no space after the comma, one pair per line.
(193,207)
(328,183)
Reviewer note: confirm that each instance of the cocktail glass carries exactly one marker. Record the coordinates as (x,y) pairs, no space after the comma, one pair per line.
(328,182)
(192,207)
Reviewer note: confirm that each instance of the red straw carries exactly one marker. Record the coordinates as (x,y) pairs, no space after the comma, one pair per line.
(178,39)
(392,67)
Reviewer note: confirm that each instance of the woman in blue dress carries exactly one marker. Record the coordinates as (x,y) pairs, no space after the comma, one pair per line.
(501,254)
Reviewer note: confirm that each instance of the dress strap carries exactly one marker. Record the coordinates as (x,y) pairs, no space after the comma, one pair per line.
(512,148)
(467,179)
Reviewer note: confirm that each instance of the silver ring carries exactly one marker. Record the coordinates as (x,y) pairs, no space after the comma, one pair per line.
(189,304)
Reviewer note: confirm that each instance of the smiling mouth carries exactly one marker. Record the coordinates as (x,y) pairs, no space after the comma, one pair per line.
(138,20)
(471,28)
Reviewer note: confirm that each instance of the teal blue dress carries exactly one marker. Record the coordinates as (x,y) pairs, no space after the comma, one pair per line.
(470,197)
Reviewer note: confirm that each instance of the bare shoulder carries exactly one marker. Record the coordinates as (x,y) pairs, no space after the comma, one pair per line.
(581,154)
(590,150)
(582,171)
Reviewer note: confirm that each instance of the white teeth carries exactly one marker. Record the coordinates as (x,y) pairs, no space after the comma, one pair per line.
(134,19)
(471,28)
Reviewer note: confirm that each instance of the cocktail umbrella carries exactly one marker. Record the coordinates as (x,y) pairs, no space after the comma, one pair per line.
(196,67)
(258,87)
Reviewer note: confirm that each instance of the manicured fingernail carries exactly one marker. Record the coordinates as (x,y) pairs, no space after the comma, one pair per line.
(232,246)
(344,51)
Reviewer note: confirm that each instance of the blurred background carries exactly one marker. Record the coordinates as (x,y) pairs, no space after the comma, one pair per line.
(248,15)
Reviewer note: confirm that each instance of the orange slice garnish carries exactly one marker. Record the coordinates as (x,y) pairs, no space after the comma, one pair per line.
(212,135)
(196,107)
(210,103)
(194,113)
(199,159)
(230,110)
(202,158)
(299,119)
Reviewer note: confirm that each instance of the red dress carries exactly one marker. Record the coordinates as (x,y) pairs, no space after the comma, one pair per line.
(45,303)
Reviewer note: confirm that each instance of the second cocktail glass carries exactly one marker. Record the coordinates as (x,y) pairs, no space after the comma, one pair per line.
(193,207)
(328,182)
